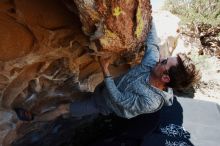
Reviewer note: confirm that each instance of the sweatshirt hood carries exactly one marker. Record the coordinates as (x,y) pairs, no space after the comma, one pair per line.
(168,96)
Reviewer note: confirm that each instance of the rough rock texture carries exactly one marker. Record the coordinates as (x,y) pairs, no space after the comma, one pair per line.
(210,39)
(48,49)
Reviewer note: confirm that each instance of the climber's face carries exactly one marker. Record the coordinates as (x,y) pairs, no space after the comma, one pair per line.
(161,70)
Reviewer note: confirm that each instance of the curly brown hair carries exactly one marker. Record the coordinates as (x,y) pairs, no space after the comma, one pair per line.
(184,74)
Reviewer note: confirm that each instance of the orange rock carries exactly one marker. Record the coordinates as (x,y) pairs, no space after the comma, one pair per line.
(45,43)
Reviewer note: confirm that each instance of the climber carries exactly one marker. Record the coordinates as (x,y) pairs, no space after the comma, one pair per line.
(145,88)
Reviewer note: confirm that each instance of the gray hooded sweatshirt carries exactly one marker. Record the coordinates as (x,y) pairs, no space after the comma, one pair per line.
(131,94)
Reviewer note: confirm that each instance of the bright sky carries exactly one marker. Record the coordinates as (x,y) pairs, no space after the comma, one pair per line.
(156,4)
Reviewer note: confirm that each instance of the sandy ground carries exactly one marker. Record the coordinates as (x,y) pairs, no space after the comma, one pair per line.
(209,88)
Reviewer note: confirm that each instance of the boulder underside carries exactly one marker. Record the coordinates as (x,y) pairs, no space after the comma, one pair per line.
(49,50)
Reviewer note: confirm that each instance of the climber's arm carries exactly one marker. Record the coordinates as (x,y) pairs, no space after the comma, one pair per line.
(151,56)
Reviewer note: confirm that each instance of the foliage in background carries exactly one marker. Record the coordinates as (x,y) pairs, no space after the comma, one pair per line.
(196,11)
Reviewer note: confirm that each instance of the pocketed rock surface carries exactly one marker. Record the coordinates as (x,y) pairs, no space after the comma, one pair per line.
(48,50)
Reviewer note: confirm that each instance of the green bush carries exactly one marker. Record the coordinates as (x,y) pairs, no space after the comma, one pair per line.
(196,11)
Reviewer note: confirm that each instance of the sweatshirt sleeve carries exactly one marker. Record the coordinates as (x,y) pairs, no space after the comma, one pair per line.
(115,95)
(131,103)
(151,55)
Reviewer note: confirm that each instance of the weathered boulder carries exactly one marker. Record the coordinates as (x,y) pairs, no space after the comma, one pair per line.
(48,49)
(116,25)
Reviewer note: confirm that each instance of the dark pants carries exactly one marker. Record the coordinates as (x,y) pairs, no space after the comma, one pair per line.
(93,104)
(84,107)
